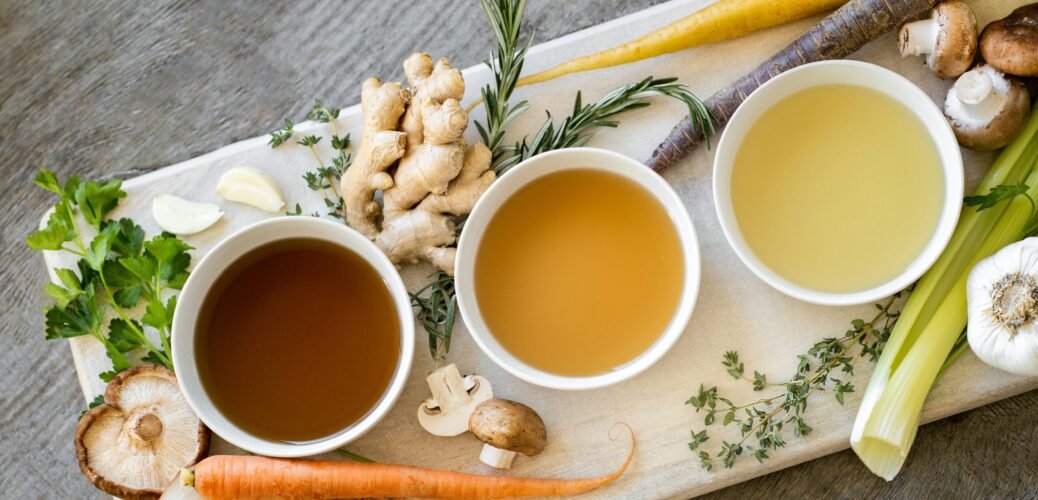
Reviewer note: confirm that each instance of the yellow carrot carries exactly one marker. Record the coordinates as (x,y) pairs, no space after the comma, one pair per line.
(721,21)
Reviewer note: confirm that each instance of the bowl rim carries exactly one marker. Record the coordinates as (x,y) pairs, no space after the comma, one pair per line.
(853,73)
(522,174)
(214,262)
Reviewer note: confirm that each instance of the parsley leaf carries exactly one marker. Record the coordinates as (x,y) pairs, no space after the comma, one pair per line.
(57,231)
(997,194)
(95,199)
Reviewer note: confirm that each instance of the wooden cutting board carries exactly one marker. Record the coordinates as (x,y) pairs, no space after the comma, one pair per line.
(735,310)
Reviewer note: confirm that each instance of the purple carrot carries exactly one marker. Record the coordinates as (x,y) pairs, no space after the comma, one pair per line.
(838,35)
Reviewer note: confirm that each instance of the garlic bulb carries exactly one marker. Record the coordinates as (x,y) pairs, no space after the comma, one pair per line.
(1002,297)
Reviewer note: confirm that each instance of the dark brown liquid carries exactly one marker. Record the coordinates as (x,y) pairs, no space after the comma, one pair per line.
(297,340)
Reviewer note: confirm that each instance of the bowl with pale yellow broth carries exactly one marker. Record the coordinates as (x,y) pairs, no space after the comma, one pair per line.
(823,156)
(577,269)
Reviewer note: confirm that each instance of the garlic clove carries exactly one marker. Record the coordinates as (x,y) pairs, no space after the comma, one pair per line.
(251,186)
(180,216)
(1002,298)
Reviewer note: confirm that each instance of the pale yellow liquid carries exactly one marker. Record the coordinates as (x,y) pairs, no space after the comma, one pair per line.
(579,272)
(837,188)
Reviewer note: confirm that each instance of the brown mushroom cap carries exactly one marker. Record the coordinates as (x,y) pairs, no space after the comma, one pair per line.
(141,437)
(954,45)
(956,41)
(1011,44)
(509,425)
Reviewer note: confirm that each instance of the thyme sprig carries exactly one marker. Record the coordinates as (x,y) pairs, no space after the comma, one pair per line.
(825,366)
(323,178)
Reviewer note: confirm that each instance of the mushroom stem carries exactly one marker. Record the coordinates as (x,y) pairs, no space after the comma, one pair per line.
(448,388)
(919,38)
(496,457)
(974,91)
(144,424)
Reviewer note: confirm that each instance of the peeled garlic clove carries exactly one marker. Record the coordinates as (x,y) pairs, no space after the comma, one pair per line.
(251,186)
(1002,298)
(180,216)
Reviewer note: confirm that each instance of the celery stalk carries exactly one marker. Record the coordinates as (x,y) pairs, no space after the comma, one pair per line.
(935,314)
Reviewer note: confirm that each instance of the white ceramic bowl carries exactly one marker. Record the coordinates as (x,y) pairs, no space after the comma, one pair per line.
(506,186)
(214,263)
(853,73)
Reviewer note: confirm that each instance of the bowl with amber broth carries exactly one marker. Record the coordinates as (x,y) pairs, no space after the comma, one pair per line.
(292,337)
(838,182)
(577,269)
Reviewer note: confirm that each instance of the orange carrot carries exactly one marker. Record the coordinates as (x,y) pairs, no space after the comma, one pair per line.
(229,476)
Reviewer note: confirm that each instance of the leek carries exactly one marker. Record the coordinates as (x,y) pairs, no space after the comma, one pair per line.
(927,335)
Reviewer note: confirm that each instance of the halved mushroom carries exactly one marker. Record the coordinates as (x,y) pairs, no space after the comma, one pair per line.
(507,428)
(1011,44)
(948,39)
(986,109)
(141,437)
(447,412)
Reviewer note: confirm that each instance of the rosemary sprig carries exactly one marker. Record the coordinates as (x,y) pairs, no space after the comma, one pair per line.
(505,18)
(437,309)
(577,129)
(823,367)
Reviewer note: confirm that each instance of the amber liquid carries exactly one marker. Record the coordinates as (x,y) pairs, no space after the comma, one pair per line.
(837,188)
(297,340)
(579,272)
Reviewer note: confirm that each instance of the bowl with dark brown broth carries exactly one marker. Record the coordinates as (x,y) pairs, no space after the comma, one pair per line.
(577,269)
(293,337)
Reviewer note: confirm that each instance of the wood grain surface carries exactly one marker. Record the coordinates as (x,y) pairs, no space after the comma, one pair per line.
(119,88)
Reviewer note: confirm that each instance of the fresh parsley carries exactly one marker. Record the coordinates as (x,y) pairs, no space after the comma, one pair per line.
(117,270)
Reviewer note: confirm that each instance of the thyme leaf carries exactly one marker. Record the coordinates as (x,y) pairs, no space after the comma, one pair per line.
(763,423)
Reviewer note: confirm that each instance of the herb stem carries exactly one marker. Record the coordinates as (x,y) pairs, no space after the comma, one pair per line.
(133,326)
(328,178)
(353,456)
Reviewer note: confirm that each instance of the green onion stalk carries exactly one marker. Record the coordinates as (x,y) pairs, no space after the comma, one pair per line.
(928,335)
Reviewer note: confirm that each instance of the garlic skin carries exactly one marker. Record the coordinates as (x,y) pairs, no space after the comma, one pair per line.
(1002,301)
(251,186)
(183,217)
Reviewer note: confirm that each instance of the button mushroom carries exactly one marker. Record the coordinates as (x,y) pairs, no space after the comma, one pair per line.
(454,398)
(948,39)
(141,437)
(986,109)
(507,428)
(1011,44)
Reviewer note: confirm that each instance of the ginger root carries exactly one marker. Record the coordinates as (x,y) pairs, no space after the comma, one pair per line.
(412,150)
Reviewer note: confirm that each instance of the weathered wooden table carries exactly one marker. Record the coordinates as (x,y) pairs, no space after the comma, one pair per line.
(120,88)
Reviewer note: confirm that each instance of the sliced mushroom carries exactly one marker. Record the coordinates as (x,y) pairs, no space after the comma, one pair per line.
(447,412)
(507,428)
(1011,44)
(948,39)
(141,437)
(986,109)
